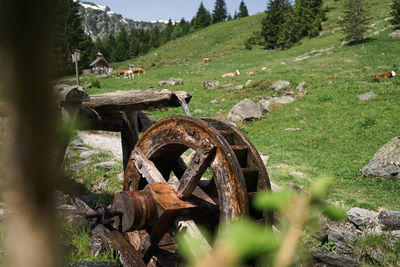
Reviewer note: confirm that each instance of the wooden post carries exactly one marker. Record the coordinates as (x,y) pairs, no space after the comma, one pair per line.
(129,134)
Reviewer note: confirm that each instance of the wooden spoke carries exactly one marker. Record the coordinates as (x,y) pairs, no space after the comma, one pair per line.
(146,167)
(195,170)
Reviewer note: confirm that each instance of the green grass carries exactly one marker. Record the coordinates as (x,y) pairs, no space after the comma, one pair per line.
(340,134)
(385,245)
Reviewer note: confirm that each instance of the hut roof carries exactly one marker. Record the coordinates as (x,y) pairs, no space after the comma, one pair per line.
(98,60)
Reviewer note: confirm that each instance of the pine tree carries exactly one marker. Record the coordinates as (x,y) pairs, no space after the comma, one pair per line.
(185,26)
(121,51)
(110,47)
(219,13)
(243,12)
(203,17)
(167,32)
(134,46)
(177,32)
(235,16)
(229,17)
(278,26)
(309,15)
(355,20)
(155,37)
(395,12)
(66,36)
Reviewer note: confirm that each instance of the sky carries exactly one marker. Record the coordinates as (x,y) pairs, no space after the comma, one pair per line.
(149,10)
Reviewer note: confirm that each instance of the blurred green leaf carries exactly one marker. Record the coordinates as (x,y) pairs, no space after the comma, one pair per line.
(248,239)
(334,213)
(320,188)
(277,201)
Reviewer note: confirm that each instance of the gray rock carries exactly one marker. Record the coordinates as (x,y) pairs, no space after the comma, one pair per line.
(362,218)
(264,105)
(76,142)
(69,153)
(91,264)
(395,34)
(214,102)
(367,96)
(96,246)
(343,239)
(282,100)
(87,154)
(71,214)
(102,186)
(292,129)
(333,259)
(300,86)
(210,84)
(386,161)
(279,85)
(239,87)
(251,73)
(198,111)
(108,165)
(77,166)
(90,200)
(376,255)
(245,110)
(171,81)
(264,69)
(227,85)
(61,198)
(390,219)
(249,82)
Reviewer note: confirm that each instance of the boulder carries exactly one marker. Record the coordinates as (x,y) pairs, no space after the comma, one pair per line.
(367,96)
(251,73)
(283,99)
(280,85)
(108,165)
(239,87)
(390,219)
(249,82)
(395,34)
(362,218)
(171,81)
(386,162)
(264,105)
(227,85)
(210,84)
(87,154)
(333,259)
(245,110)
(343,239)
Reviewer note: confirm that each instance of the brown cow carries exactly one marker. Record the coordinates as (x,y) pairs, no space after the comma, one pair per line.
(231,74)
(138,70)
(207,59)
(385,75)
(119,73)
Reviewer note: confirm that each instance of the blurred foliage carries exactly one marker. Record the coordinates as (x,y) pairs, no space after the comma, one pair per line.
(244,241)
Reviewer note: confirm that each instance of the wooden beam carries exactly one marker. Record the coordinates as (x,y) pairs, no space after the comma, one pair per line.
(146,167)
(129,135)
(135,100)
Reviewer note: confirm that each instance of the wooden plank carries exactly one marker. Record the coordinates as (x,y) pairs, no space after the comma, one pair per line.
(194,171)
(146,167)
(135,100)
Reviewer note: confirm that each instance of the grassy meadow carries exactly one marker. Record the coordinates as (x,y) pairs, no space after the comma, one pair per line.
(339,134)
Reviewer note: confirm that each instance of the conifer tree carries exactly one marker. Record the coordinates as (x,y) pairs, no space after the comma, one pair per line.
(309,15)
(110,47)
(203,17)
(167,32)
(235,16)
(185,26)
(395,12)
(355,20)
(219,13)
(278,27)
(243,12)
(121,51)
(155,37)
(134,47)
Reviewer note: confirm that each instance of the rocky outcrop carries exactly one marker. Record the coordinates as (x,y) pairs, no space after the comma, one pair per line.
(386,162)
(367,96)
(171,81)
(280,85)
(245,110)
(210,84)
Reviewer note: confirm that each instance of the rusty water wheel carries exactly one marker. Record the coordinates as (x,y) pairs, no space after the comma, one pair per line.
(220,151)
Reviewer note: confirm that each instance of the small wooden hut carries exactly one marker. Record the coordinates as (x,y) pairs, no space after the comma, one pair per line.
(100,64)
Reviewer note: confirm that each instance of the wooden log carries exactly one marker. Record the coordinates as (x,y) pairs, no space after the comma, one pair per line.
(70,94)
(135,100)
(129,135)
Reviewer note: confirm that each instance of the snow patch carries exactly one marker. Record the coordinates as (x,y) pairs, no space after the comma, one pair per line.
(93,6)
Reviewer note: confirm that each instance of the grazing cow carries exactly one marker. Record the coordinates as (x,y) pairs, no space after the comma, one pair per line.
(207,59)
(385,75)
(129,74)
(138,70)
(231,74)
(119,73)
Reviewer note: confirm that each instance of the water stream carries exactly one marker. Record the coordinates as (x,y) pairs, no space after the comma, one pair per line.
(183,103)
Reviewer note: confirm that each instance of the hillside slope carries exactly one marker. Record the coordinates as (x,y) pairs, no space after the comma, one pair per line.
(339,134)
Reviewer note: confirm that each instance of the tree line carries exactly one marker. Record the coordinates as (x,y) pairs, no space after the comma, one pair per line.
(67,35)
